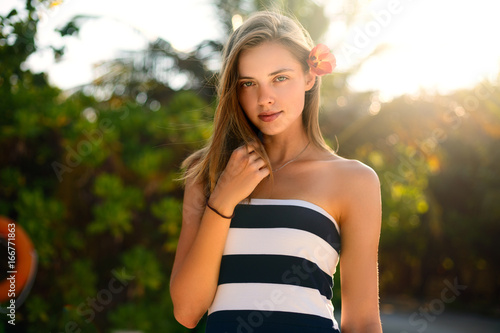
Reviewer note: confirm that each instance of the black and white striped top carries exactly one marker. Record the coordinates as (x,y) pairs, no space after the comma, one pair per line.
(277,270)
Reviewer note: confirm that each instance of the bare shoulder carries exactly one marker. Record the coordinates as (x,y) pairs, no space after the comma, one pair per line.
(355,173)
(348,171)
(349,184)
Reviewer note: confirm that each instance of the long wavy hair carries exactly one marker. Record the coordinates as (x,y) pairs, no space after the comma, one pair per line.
(232,128)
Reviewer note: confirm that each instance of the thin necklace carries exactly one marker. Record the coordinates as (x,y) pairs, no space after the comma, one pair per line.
(293,159)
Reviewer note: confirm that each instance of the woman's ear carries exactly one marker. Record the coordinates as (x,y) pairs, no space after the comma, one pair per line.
(310,80)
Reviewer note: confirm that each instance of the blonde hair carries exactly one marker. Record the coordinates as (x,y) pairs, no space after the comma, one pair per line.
(232,128)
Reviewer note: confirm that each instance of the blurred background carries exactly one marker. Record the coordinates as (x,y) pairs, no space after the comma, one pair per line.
(100,101)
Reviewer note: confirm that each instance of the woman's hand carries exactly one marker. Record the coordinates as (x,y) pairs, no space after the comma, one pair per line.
(244,171)
(203,236)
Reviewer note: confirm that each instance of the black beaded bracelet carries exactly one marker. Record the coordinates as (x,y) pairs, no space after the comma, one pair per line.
(217,212)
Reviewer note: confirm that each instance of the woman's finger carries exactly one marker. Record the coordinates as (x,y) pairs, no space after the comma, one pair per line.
(254,157)
(259,163)
(250,148)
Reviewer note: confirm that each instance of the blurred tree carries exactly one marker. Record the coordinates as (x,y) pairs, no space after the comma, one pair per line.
(80,175)
(310,14)
(436,164)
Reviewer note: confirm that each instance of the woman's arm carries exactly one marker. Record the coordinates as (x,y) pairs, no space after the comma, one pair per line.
(197,261)
(195,272)
(360,234)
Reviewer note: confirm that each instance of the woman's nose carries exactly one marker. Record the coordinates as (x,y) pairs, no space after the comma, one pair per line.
(266,95)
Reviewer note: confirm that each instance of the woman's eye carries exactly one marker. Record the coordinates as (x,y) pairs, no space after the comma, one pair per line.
(281,78)
(246,84)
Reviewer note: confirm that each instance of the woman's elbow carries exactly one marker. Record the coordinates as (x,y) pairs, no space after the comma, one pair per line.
(185,319)
(186,312)
(188,308)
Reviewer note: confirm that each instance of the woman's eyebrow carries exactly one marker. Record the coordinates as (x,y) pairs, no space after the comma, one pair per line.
(281,70)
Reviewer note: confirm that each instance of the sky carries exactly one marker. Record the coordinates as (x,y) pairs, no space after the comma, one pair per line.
(432,45)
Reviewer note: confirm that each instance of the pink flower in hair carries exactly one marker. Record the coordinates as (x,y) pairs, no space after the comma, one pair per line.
(321,61)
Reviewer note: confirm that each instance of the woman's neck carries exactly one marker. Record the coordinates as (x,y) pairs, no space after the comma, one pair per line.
(281,149)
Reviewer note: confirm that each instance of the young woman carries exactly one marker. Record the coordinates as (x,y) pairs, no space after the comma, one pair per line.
(268,206)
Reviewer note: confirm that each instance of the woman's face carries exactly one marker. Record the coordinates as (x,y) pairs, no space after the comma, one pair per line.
(271,88)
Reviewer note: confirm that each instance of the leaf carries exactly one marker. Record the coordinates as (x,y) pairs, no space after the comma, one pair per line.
(13,12)
(73,26)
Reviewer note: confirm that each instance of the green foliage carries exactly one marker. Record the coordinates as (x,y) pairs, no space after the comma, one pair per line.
(169,212)
(79,283)
(153,315)
(144,267)
(114,214)
(38,216)
(92,182)
(435,159)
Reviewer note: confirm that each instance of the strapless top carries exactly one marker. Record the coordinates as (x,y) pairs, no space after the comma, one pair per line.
(277,269)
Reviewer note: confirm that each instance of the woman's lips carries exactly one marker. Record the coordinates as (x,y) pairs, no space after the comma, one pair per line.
(267,117)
